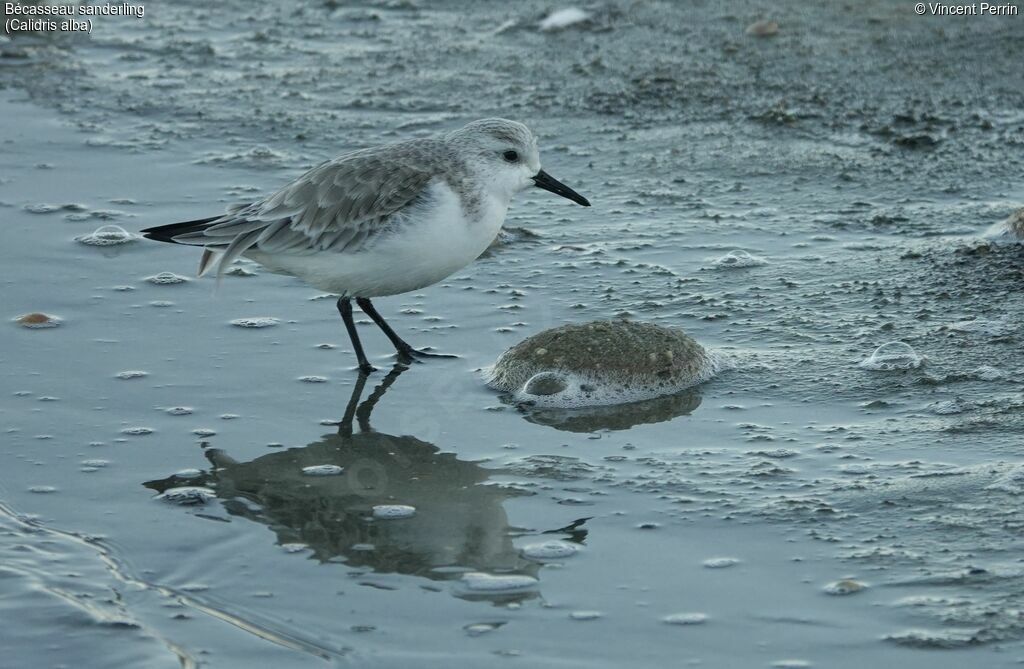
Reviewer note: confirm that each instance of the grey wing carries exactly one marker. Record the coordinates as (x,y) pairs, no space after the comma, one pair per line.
(336,206)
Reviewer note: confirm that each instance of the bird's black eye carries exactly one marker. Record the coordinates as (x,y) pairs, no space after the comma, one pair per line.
(510,156)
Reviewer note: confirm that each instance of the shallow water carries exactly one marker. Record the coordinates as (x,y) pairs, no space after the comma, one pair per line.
(858,156)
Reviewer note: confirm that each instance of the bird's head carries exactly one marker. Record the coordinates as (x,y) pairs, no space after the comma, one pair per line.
(506,154)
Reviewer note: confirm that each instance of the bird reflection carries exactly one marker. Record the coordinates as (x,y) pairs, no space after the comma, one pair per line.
(459,522)
(617,416)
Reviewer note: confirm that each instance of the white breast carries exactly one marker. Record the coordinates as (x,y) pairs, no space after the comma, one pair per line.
(430,243)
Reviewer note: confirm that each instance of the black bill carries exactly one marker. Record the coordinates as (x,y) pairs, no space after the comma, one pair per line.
(544,180)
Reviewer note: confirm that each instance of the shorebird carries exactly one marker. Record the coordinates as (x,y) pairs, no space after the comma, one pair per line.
(381,221)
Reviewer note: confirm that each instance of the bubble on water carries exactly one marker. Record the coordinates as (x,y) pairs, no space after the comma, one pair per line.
(238,270)
(131,374)
(294,548)
(721,562)
(393,511)
(37,321)
(546,383)
(161,304)
(685,619)
(187,495)
(894,355)
(43,489)
(256,322)
(323,470)
(555,549)
(179,411)
(846,586)
(97,463)
(166,279)
(738,260)
(313,379)
(204,432)
(482,583)
(789,663)
(137,430)
(601,363)
(585,615)
(924,638)
(107,235)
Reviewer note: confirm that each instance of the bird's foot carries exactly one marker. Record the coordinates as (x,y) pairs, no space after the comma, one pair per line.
(410,354)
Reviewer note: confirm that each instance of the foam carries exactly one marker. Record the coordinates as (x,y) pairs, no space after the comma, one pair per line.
(1010,229)
(738,259)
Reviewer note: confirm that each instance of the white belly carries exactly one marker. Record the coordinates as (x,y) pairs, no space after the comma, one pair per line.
(425,249)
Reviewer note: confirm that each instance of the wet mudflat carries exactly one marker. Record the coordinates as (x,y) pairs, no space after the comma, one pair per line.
(194,478)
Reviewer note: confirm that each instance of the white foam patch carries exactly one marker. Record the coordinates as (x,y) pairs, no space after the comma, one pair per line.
(393,511)
(555,549)
(995,328)
(564,18)
(559,389)
(738,260)
(479,582)
(322,470)
(1009,230)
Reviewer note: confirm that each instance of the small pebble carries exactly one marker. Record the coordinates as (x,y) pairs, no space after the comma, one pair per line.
(37,321)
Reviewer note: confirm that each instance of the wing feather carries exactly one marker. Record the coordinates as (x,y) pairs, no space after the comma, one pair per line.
(339,205)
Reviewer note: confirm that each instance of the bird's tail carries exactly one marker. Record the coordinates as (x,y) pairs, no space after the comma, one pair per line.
(168,233)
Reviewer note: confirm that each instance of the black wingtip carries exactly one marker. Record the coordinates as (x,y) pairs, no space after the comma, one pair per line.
(167,233)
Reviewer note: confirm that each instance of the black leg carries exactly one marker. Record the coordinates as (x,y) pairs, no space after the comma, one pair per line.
(404,349)
(345,309)
(371,311)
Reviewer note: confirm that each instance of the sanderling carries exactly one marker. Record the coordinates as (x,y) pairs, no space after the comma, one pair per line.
(381,221)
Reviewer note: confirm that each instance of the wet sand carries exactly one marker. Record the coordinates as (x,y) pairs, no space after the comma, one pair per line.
(860,153)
